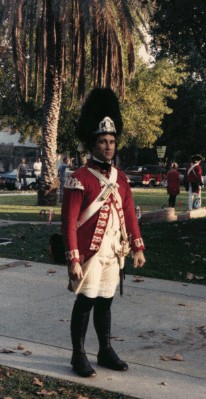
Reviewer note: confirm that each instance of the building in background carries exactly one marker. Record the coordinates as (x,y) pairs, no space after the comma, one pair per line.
(12,150)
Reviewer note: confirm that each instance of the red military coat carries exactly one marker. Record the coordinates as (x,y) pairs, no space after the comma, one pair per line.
(195,175)
(81,189)
(173,182)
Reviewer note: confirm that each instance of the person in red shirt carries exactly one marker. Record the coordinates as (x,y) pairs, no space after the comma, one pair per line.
(193,178)
(173,184)
(98,226)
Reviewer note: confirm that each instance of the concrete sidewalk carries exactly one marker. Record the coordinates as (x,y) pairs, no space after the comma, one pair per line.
(154,323)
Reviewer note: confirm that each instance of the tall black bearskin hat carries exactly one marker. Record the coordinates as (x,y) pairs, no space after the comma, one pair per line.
(197,157)
(100,114)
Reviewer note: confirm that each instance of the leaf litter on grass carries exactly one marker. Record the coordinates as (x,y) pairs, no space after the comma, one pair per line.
(18,384)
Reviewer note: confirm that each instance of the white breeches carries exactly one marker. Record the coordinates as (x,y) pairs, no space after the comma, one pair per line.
(103,277)
(194,199)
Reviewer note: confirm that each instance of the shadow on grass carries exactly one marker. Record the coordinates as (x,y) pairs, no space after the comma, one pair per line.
(172,249)
(30,242)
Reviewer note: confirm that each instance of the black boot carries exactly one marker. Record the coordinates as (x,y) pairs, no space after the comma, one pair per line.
(102,322)
(79,324)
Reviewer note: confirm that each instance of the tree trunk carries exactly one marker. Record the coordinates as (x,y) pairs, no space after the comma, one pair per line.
(47,194)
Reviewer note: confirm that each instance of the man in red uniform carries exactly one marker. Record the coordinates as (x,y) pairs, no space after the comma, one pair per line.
(98,225)
(194,179)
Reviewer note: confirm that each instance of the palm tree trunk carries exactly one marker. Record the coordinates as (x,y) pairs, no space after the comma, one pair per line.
(47,194)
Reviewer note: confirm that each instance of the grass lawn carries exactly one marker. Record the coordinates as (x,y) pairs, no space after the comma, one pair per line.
(150,199)
(24,208)
(18,206)
(15,384)
(172,249)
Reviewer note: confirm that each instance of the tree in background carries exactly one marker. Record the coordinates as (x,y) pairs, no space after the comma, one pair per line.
(178,26)
(56,45)
(147,99)
(185,129)
(178,29)
(22,117)
(50,40)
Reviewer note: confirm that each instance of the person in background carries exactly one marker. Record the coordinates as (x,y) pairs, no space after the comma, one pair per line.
(173,184)
(21,172)
(62,172)
(37,168)
(194,183)
(99,225)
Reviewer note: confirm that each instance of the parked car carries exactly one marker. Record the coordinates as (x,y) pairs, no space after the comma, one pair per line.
(9,180)
(146,175)
(132,173)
